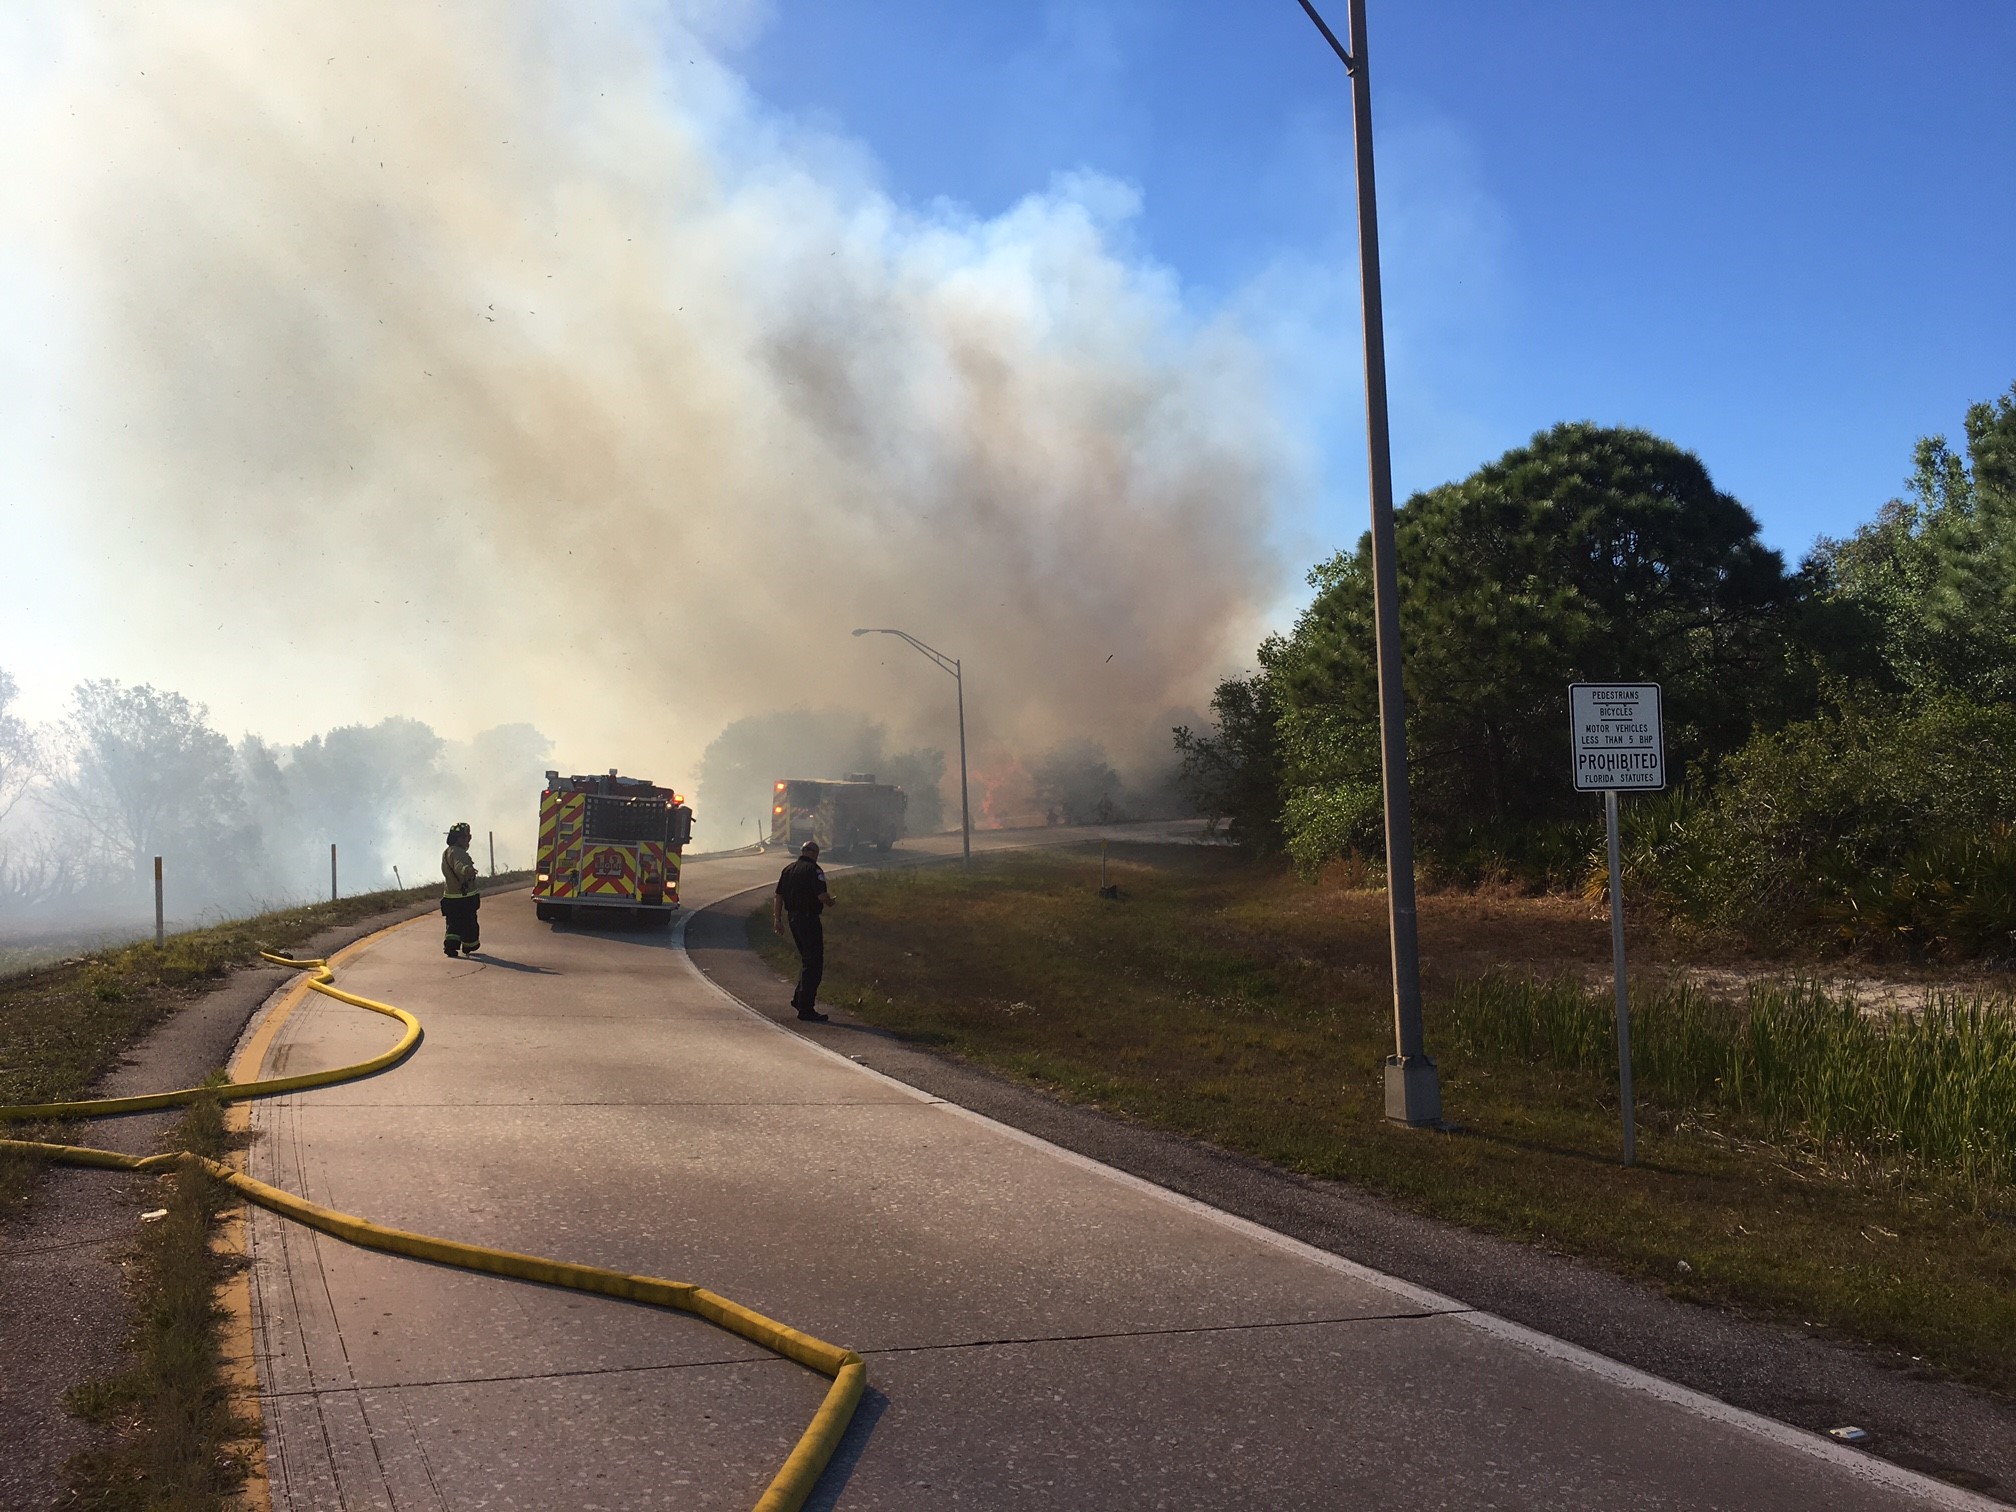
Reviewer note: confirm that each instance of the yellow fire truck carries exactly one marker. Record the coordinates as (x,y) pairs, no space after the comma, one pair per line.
(609,848)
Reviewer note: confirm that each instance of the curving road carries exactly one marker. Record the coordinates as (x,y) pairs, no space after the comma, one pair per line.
(1040,1331)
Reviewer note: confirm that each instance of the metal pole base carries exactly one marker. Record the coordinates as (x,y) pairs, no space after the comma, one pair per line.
(1413,1091)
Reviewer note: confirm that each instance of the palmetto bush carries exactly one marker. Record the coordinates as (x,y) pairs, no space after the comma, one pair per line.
(1956,896)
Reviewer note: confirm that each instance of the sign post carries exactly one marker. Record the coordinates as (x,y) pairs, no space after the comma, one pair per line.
(1619,740)
(1627,1099)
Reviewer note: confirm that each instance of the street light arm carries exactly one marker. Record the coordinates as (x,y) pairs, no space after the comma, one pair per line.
(945,663)
(1350,64)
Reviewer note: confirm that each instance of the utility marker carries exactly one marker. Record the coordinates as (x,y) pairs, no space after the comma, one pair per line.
(332,871)
(160,924)
(1619,742)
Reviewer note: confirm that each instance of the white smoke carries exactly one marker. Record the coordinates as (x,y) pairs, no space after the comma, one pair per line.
(508,362)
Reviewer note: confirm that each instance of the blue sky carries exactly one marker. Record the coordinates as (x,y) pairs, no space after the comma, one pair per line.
(1780,235)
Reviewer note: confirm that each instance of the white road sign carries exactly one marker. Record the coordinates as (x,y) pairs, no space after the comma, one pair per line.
(1619,737)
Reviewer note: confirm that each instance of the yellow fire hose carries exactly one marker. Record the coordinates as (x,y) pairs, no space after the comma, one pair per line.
(787,1490)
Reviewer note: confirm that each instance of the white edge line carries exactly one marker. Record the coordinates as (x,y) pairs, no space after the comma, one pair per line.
(1858,1463)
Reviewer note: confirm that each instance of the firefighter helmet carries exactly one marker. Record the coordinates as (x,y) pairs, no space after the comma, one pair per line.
(458,834)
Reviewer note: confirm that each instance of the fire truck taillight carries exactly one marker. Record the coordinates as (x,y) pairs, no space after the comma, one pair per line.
(777,808)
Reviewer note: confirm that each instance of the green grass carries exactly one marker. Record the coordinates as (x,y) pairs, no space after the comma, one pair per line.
(175,1431)
(65,1026)
(17,956)
(1929,1092)
(1233,1004)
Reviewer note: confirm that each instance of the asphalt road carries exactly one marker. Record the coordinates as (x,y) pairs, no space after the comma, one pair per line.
(1040,1330)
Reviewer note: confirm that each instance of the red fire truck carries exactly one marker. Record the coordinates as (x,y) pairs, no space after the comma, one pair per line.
(609,847)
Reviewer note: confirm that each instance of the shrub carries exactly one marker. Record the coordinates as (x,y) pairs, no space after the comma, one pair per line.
(1877,825)
(1955,896)
(1335,819)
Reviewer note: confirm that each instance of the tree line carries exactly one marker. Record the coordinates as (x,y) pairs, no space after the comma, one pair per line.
(1844,728)
(134,772)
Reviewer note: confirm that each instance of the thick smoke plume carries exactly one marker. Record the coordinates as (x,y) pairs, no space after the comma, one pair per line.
(507,362)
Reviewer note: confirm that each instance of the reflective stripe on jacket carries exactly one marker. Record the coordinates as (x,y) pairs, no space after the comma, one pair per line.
(459,872)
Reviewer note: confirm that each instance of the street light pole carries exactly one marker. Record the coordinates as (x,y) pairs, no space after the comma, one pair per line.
(965,808)
(1413,1089)
(946,664)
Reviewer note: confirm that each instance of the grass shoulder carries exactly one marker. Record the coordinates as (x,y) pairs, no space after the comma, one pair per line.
(175,1438)
(1228,1002)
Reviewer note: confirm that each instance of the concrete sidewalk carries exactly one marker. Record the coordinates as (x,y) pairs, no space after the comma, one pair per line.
(1040,1331)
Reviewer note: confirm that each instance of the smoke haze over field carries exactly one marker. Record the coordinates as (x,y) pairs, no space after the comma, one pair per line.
(508,362)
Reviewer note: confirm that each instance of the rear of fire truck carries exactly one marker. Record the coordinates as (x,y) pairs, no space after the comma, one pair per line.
(843,815)
(609,847)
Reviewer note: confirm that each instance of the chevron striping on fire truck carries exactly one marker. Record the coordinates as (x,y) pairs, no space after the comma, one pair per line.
(609,846)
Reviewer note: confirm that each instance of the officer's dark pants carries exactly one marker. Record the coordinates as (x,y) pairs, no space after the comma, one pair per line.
(809,935)
(462,929)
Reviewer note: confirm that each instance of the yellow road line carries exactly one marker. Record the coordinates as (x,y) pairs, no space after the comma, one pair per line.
(240,1366)
(791,1485)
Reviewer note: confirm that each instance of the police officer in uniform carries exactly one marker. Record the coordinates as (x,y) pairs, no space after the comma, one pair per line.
(459,898)
(801,895)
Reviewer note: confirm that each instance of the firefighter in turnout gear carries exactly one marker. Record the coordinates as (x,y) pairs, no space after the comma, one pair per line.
(459,898)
